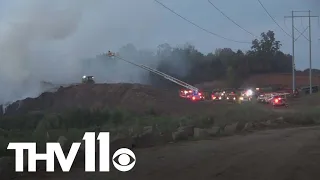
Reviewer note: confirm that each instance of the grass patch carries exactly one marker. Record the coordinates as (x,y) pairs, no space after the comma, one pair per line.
(312,100)
(72,124)
(305,116)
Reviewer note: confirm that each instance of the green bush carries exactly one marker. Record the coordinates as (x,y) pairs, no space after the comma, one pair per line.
(20,122)
(73,123)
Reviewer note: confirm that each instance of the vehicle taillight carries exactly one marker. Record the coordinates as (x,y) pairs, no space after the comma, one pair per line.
(213,97)
(276,100)
(193,98)
(199,94)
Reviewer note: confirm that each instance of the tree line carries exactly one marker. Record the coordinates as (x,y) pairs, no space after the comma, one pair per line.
(190,65)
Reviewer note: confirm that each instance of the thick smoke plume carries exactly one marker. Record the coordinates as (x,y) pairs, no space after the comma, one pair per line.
(29,46)
(56,42)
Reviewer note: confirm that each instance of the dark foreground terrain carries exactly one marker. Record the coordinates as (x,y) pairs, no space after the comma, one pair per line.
(285,154)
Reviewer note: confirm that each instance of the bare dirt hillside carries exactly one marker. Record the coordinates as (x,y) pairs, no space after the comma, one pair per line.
(212,85)
(286,154)
(283,79)
(135,97)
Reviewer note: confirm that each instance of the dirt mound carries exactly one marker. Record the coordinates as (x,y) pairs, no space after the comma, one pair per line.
(273,79)
(135,97)
(212,85)
(302,79)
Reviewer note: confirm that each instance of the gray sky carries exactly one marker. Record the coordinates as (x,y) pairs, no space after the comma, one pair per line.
(46,38)
(112,23)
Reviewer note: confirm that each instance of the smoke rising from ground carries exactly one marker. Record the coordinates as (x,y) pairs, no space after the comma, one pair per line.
(52,40)
(28,53)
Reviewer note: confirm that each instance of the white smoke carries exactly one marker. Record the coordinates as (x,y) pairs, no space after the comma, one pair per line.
(42,40)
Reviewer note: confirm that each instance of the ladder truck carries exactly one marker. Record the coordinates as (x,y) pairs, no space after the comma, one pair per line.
(190,91)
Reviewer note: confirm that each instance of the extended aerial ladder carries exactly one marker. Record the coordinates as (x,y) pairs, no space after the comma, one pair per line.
(166,76)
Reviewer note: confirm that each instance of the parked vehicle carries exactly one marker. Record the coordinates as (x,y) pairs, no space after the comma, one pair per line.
(261,98)
(197,96)
(279,100)
(232,97)
(217,95)
(185,93)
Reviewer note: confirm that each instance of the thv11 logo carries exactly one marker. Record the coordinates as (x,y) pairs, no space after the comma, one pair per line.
(123,159)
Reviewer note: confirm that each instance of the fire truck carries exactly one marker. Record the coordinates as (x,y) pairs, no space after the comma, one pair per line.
(189,91)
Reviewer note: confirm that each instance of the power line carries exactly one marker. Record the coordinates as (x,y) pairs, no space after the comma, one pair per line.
(301,34)
(231,19)
(310,44)
(205,30)
(273,18)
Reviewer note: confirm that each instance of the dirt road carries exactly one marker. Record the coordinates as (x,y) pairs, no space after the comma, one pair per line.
(287,154)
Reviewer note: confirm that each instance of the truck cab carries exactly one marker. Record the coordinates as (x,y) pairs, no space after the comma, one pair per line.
(197,96)
(88,80)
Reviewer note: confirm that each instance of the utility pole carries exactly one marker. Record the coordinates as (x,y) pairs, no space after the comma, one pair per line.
(293,60)
(310,56)
(310,48)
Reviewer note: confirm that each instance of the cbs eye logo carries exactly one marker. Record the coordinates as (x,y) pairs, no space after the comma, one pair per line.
(124,159)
